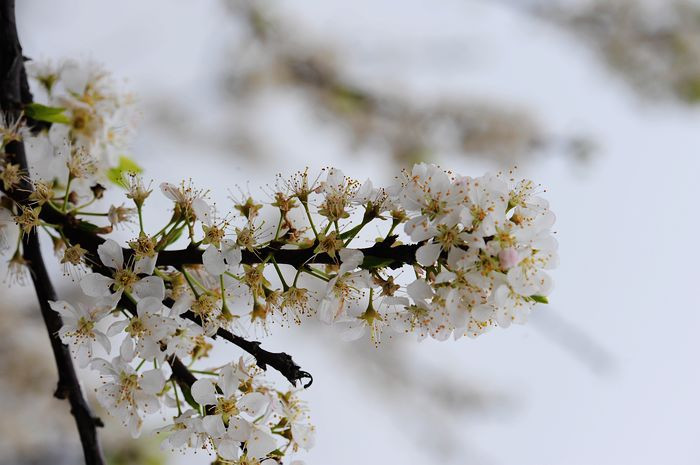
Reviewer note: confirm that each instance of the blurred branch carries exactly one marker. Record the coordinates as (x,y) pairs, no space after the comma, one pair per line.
(14,94)
(272,54)
(655,48)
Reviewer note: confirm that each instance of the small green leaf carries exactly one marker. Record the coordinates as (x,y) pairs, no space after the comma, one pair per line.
(41,112)
(188,397)
(87,226)
(126,165)
(376,262)
(539,298)
(172,237)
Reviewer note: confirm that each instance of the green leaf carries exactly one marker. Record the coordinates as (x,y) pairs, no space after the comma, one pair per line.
(173,236)
(87,226)
(188,397)
(41,112)
(126,165)
(539,298)
(376,262)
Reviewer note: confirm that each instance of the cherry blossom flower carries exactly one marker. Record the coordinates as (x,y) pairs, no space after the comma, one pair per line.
(79,329)
(123,278)
(127,394)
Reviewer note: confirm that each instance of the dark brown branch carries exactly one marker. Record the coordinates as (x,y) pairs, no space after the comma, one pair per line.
(280,361)
(381,254)
(14,93)
(79,232)
(181,374)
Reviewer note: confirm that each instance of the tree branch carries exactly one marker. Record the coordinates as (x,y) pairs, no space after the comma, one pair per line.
(280,361)
(14,93)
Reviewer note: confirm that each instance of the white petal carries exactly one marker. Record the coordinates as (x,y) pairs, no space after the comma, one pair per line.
(170,191)
(203,211)
(232,253)
(354,332)
(214,425)
(145,265)
(83,354)
(238,429)
(482,313)
(135,424)
(228,449)
(103,341)
(427,254)
(152,381)
(260,444)
(149,306)
(150,286)
(117,327)
(229,380)
(327,309)
(64,309)
(126,349)
(349,260)
(213,261)
(419,229)
(111,254)
(203,392)
(303,435)
(252,403)
(419,290)
(181,305)
(96,285)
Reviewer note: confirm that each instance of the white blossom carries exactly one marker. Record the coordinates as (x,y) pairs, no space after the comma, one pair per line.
(123,278)
(79,329)
(127,394)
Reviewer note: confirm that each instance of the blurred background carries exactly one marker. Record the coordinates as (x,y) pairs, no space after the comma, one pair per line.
(596,100)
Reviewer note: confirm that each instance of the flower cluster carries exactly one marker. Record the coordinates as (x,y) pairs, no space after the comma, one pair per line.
(96,118)
(478,249)
(455,256)
(229,411)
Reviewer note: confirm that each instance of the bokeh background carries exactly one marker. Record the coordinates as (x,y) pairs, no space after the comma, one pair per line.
(595,100)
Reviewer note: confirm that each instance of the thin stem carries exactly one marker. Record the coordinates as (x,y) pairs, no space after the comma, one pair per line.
(91,214)
(86,204)
(279,273)
(279,226)
(394,224)
(204,372)
(311,221)
(177,398)
(224,307)
(312,272)
(354,232)
(65,197)
(138,209)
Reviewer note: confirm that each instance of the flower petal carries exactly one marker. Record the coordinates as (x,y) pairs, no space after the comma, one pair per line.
(96,285)
(152,381)
(111,254)
(213,261)
(150,286)
(145,265)
(253,403)
(260,444)
(203,392)
(427,254)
